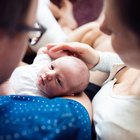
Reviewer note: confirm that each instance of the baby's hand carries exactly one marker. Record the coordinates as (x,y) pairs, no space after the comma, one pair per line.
(43,50)
(52,54)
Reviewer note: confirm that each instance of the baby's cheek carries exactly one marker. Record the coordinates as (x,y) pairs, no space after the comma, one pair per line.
(38,81)
(39,84)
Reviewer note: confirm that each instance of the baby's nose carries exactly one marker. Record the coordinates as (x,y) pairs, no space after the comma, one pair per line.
(50,75)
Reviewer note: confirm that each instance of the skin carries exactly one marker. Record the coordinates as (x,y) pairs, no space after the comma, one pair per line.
(80,50)
(81,98)
(12,50)
(124,42)
(57,79)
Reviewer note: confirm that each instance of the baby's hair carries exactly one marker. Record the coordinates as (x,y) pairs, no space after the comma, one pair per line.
(84,74)
(12,13)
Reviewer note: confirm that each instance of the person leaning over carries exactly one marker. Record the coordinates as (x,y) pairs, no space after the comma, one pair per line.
(116,106)
(29,117)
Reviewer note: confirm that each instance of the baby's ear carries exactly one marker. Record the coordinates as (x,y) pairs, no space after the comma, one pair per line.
(77,93)
(70,94)
(74,94)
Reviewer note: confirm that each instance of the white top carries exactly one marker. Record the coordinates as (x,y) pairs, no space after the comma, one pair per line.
(110,63)
(24,78)
(54,32)
(115,117)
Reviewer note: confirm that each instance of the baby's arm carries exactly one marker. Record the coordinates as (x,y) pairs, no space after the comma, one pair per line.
(51,54)
(42,55)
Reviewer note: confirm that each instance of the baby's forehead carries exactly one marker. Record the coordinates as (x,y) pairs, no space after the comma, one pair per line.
(73,62)
(71,59)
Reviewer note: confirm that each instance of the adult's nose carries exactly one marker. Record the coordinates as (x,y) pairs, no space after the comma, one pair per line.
(104,28)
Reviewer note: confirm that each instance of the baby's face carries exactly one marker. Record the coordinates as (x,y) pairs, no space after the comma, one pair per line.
(59,77)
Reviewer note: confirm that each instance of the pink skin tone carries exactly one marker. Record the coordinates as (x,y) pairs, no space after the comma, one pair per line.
(60,77)
(11,56)
(124,42)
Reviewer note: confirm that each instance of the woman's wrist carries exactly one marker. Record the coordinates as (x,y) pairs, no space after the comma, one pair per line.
(94,59)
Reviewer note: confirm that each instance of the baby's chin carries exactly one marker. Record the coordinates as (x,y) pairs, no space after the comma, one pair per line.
(42,90)
(44,93)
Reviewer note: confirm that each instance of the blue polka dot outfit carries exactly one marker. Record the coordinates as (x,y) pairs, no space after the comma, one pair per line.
(37,118)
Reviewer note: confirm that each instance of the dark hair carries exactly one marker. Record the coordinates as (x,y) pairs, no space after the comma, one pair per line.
(12,13)
(129,12)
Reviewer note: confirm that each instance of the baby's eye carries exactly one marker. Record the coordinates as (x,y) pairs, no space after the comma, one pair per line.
(52,67)
(58,81)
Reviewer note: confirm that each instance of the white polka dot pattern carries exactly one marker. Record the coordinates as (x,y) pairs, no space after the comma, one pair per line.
(28,117)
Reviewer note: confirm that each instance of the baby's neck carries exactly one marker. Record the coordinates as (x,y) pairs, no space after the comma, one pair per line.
(42,93)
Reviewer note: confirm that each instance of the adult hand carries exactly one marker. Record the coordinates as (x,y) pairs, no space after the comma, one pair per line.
(55,54)
(80,50)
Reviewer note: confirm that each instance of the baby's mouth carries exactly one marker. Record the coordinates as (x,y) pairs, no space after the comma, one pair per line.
(42,82)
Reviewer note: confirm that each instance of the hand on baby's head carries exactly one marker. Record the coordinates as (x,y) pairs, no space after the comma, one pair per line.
(63,77)
(55,55)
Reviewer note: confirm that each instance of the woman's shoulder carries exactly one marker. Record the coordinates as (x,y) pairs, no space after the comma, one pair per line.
(84,101)
(128,81)
(57,118)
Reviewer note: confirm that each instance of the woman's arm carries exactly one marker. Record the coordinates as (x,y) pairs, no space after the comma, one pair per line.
(107,61)
(80,50)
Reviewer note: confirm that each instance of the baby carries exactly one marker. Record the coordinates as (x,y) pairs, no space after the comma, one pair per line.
(66,75)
